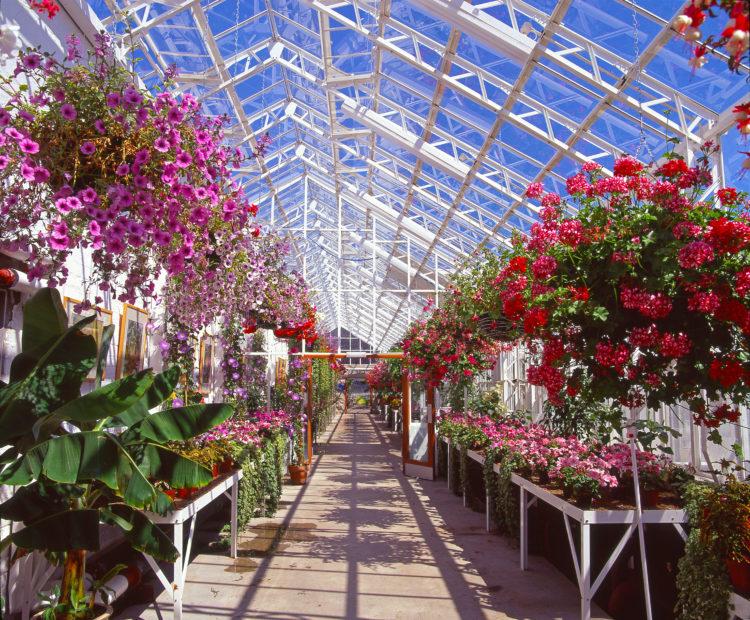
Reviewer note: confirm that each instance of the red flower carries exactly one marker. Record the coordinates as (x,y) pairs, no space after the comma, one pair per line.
(534,319)
(673,168)
(627,167)
(728,237)
(726,372)
(727,195)
(50,7)
(580,293)
(518,264)
(514,307)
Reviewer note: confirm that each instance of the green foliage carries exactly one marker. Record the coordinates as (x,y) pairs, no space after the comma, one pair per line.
(87,471)
(506,498)
(263,474)
(717,529)
(702,583)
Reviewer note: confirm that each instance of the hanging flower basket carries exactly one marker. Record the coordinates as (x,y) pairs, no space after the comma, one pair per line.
(499,329)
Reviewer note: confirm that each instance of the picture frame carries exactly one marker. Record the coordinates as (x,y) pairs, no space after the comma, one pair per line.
(95,329)
(131,350)
(205,363)
(281,372)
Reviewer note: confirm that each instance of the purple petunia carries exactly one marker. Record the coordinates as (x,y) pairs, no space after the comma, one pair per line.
(88,148)
(27,145)
(161,144)
(68,112)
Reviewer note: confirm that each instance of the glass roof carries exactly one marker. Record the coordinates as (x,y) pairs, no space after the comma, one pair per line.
(404,132)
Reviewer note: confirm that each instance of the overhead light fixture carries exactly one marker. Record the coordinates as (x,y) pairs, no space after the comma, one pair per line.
(300,150)
(290,108)
(276,50)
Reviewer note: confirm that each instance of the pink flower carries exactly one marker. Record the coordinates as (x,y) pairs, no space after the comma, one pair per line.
(534,190)
(161,144)
(88,148)
(68,112)
(695,254)
(27,145)
(543,267)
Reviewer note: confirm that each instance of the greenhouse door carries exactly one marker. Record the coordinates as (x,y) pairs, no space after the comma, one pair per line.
(418,438)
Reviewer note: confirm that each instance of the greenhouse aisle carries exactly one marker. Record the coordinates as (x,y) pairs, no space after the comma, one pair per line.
(363,541)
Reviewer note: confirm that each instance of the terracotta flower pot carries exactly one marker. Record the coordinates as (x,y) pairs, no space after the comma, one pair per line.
(298,474)
(739,575)
(215,470)
(650,498)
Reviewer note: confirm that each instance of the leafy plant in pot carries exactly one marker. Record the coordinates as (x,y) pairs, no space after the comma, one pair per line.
(82,460)
(725,520)
(298,469)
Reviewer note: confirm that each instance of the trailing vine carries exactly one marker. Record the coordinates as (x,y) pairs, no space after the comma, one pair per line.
(490,485)
(506,500)
(464,471)
(702,582)
(454,474)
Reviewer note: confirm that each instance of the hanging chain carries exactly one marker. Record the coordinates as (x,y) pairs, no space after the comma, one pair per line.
(236,28)
(642,142)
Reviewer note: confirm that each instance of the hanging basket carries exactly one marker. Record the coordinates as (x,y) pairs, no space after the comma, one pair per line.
(498,329)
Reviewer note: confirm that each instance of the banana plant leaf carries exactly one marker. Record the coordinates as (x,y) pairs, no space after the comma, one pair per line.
(162,388)
(140,532)
(101,356)
(80,458)
(178,424)
(29,504)
(55,379)
(102,403)
(160,463)
(62,531)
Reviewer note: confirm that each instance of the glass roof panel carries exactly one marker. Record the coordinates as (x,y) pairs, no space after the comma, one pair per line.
(402,133)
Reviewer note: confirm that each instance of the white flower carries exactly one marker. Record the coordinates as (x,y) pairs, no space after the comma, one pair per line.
(9,42)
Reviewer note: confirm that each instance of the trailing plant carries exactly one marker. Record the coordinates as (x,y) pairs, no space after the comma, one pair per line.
(506,497)
(82,460)
(703,587)
(641,295)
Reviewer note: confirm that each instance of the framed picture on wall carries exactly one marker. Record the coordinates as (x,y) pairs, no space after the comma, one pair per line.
(95,329)
(205,363)
(131,352)
(280,372)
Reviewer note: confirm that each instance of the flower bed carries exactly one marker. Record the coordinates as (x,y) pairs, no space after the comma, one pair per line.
(582,472)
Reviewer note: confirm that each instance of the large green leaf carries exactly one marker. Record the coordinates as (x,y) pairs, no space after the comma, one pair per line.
(157,462)
(179,424)
(101,356)
(80,458)
(55,379)
(162,388)
(99,404)
(28,504)
(62,531)
(142,534)
(44,320)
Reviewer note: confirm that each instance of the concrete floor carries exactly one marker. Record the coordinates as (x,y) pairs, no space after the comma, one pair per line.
(360,540)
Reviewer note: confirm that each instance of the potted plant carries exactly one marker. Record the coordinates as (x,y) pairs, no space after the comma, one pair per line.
(725,522)
(81,460)
(298,469)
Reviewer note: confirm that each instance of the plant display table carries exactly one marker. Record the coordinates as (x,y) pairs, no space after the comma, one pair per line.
(187,510)
(530,493)
(587,584)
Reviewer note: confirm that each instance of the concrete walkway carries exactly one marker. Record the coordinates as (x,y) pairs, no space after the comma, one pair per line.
(360,540)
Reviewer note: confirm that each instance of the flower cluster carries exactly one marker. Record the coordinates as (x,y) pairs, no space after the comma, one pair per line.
(250,430)
(734,37)
(447,347)
(648,304)
(537,451)
(50,8)
(90,160)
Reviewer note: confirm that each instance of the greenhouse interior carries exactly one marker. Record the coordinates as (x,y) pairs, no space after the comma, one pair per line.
(375,309)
